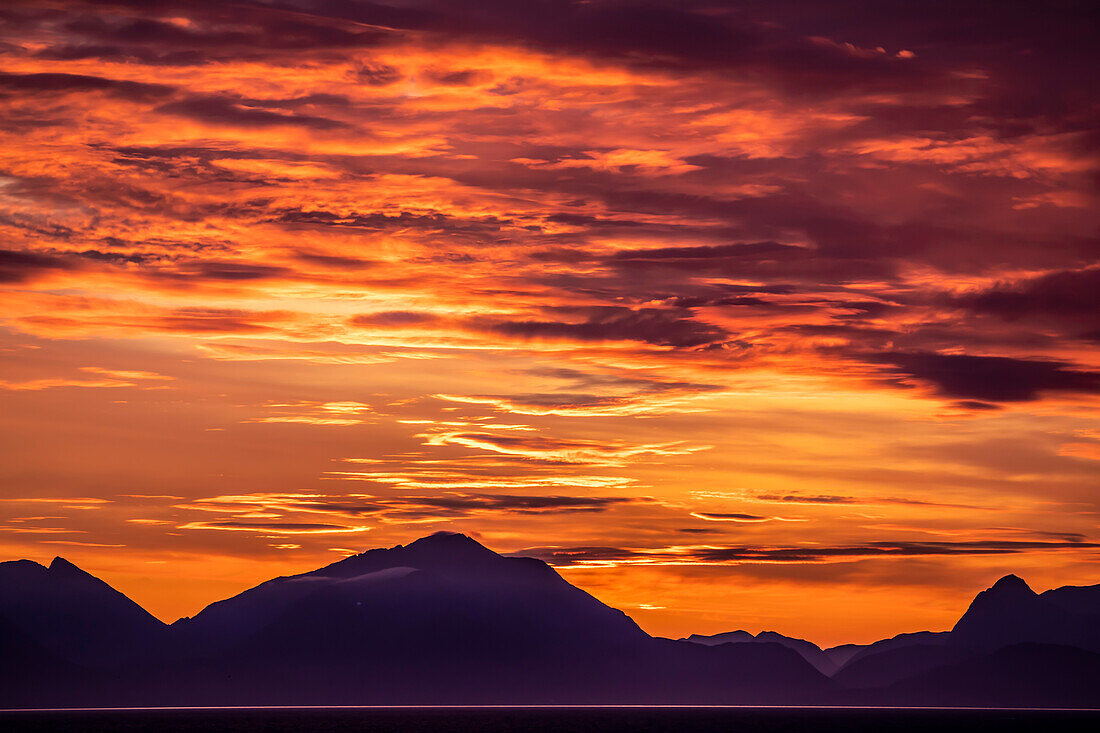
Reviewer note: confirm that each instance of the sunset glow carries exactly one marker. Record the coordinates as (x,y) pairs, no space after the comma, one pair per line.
(757,315)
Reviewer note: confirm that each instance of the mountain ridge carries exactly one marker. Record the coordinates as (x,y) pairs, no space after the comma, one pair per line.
(445,620)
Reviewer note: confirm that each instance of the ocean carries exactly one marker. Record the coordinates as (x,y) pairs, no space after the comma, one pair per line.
(534,719)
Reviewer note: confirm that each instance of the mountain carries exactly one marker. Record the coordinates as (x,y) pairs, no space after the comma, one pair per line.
(73,615)
(841,654)
(446,621)
(897,663)
(888,660)
(444,580)
(1010,612)
(442,620)
(1019,675)
(809,651)
(1076,598)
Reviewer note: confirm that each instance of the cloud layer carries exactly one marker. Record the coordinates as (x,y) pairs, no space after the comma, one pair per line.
(796,278)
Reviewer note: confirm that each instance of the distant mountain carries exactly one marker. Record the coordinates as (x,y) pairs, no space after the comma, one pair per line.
(841,654)
(1020,675)
(445,620)
(412,593)
(809,651)
(1006,614)
(73,615)
(1012,613)
(885,667)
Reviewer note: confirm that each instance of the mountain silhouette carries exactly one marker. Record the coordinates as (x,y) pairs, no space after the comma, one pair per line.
(73,615)
(1019,675)
(809,651)
(444,620)
(413,593)
(1010,612)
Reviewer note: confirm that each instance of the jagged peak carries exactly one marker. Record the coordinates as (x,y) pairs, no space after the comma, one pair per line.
(61,565)
(1011,584)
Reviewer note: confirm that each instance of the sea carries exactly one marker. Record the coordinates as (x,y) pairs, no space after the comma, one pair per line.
(533,719)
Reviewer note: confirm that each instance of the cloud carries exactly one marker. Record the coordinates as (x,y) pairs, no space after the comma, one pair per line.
(76,500)
(19,267)
(394,319)
(51,83)
(1069,298)
(989,378)
(849,500)
(398,509)
(314,352)
(473,473)
(612,323)
(556,450)
(814,235)
(100,378)
(316,413)
(738,555)
(246,113)
(718,517)
(281,528)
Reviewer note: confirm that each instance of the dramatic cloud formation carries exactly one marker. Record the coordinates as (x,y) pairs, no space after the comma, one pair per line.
(736,555)
(792,278)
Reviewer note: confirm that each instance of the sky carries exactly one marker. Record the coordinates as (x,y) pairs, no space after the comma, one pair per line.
(741,314)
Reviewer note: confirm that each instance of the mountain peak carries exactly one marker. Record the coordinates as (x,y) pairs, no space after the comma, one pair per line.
(1013,584)
(439,551)
(61,566)
(450,547)
(448,540)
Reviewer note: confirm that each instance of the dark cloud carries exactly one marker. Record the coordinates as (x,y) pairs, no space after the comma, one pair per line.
(457,505)
(395,509)
(733,555)
(225,110)
(459,78)
(290,527)
(975,405)
(1031,54)
(377,221)
(247,31)
(674,37)
(848,500)
(377,74)
(613,323)
(393,319)
(768,260)
(41,83)
(651,384)
(1070,298)
(335,262)
(18,266)
(215,270)
(988,378)
(718,517)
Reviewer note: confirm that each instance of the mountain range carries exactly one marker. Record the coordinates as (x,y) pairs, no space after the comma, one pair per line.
(444,620)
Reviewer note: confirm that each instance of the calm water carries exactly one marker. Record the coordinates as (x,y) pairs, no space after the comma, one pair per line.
(568,720)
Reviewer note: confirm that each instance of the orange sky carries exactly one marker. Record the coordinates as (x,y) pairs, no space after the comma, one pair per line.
(743,316)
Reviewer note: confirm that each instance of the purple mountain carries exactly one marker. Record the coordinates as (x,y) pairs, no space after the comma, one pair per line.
(445,620)
(440,621)
(809,651)
(73,615)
